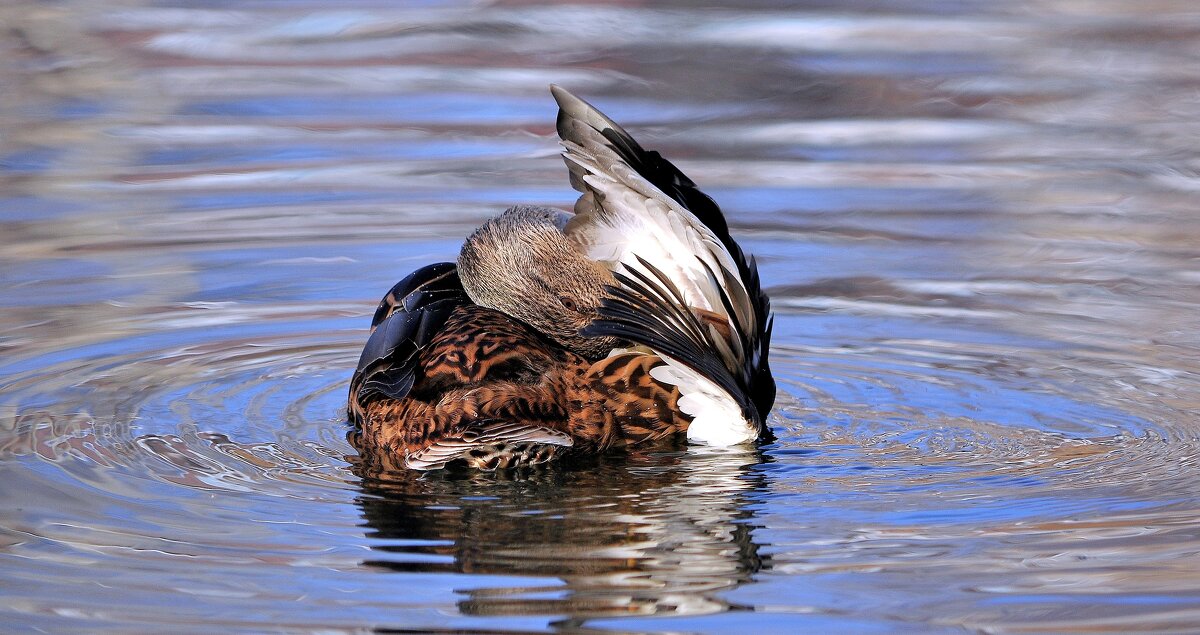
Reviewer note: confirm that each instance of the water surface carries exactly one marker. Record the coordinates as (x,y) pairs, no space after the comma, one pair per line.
(977,221)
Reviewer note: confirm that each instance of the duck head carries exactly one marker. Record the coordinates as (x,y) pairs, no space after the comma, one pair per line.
(522,264)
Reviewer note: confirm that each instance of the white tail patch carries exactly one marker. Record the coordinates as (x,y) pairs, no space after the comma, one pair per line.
(716,418)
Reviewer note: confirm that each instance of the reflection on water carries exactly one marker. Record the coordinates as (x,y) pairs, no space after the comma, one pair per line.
(976,220)
(639,536)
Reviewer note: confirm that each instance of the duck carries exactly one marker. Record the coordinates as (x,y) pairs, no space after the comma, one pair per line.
(635,318)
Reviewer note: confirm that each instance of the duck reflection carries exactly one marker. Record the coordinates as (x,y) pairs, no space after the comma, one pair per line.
(639,535)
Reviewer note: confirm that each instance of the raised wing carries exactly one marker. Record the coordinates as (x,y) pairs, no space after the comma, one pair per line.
(687,290)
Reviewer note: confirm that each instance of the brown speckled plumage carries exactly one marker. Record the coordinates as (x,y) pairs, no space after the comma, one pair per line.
(484,367)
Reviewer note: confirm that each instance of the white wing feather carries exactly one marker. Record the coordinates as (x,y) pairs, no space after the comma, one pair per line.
(622,218)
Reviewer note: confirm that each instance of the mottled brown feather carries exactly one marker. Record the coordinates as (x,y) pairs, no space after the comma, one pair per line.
(483,367)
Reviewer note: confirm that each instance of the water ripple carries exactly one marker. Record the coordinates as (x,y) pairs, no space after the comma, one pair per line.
(975,220)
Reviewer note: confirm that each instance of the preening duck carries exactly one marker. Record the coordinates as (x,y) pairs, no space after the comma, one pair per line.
(633,319)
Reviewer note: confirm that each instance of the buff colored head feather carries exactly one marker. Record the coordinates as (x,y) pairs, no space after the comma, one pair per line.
(520,263)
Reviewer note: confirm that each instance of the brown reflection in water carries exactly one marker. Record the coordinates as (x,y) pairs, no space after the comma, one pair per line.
(639,535)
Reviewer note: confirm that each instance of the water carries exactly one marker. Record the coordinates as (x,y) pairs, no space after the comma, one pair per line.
(977,220)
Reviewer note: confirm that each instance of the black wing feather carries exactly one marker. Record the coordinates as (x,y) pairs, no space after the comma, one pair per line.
(649,310)
(425,285)
(408,318)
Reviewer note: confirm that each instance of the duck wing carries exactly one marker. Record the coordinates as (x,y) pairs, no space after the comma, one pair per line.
(421,289)
(408,318)
(492,445)
(686,288)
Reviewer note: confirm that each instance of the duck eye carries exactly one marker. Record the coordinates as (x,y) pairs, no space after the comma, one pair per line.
(567,302)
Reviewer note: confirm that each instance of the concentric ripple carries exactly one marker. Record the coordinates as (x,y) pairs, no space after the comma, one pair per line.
(976,221)
(278,396)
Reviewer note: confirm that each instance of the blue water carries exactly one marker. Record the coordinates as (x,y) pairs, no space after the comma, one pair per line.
(976,222)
